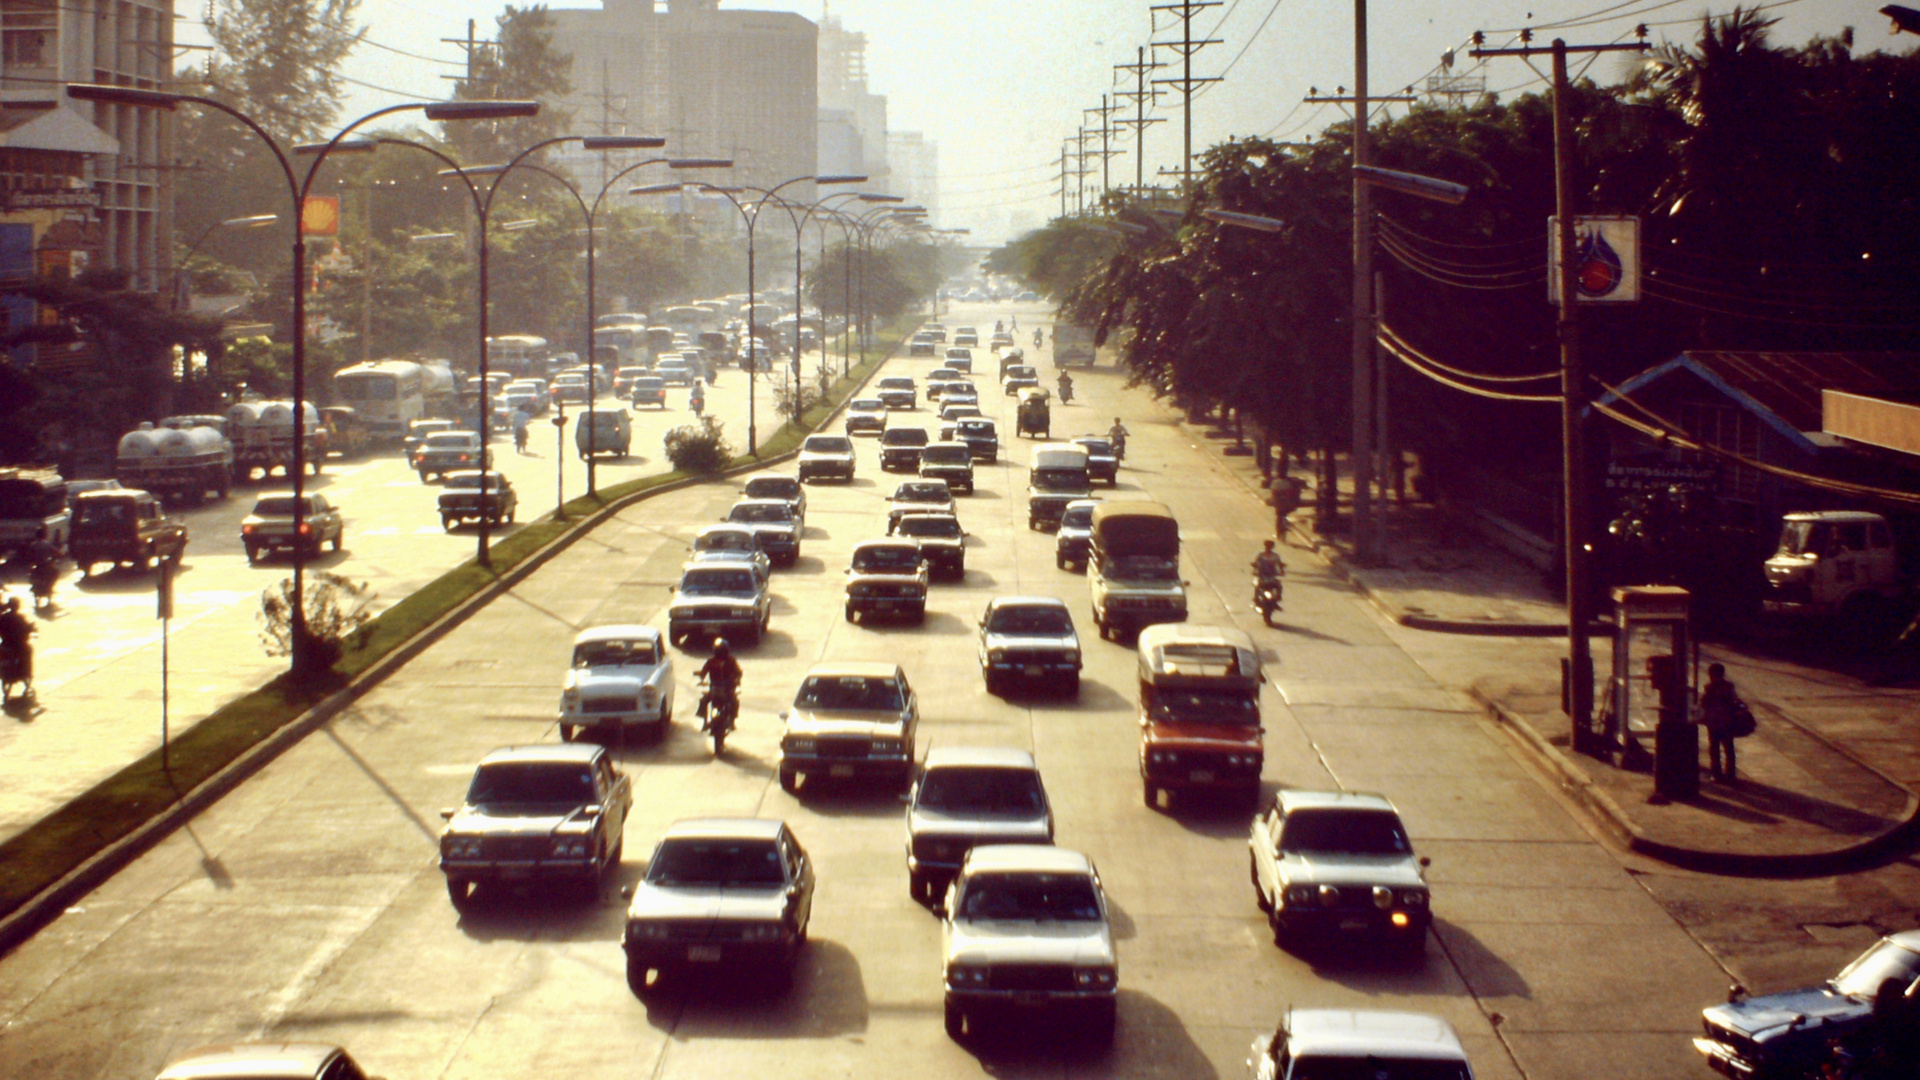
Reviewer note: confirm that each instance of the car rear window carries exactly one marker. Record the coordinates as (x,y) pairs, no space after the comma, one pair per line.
(982,791)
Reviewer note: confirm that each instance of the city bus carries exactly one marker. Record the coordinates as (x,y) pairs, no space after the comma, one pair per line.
(387,394)
(519,355)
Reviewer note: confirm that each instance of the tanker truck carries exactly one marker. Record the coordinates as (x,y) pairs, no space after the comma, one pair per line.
(185,463)
(262,436)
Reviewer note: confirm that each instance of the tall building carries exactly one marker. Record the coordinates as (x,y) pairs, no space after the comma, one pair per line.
(853,119)
(731,84)
(915,161)
(83,184)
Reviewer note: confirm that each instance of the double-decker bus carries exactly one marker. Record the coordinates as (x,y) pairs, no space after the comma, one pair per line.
(387,394)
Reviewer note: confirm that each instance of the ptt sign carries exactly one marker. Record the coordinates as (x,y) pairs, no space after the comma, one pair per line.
(1606,259)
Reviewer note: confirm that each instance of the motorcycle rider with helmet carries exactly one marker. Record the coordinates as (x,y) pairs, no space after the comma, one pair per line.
(721,673)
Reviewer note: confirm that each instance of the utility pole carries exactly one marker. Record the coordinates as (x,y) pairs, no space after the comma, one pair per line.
(1063,176)
(474,47)
(1140,96)
(1080,169)
(1105,129)
(1342,98)
(1573,394)
(1361,457)
(1187,83)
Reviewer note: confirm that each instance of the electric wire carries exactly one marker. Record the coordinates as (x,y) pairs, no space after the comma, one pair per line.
(1388,332)
(1496,395)
(1490,283)
(1400,227)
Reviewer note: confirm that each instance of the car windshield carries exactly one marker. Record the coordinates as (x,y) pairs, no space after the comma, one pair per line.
(103,512)
(1375,1067)
(1034,619)
(904,437)
(725,540)
(978,428)
(763,513)
(278,506)
(929,525)
(878,559)
(615,653)
(867,405)
(717,862)
(944,455)
(1021,371)
(1344,832)
(1188,706)
(954,789)
(474,482)
(848,692)
(720,581)
(896,384)
(828,444)
(1077,517)
(773,487)
(1803,538)
(1884,961)
(1034,897)
(532,783)
(451,440)
(1144,568)
(1096,447)
(1060,479)
(923,493)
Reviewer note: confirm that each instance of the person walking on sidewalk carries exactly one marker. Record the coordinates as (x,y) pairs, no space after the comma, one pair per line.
(1720,713)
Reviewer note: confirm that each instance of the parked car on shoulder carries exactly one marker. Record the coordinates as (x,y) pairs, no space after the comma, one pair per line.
(850,721)
(1029,640)
(720,893)
(1336,866)
(900,448)
(545,813)
(269,527)
(823,456)
(866,414)
(1371,1043)
(477,496)
(1026,928)
(1788,1034)
(619,682)
(123,527)
(967,796)
(720,599)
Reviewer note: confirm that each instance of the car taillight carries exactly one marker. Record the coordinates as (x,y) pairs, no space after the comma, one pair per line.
(305,528)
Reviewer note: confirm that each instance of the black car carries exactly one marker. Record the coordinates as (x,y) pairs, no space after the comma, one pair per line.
(942,541)
(1788,1034)
(477,496)
(720,892)
(533,813)
(900,448)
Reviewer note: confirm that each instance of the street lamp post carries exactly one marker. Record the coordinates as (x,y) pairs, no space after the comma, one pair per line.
(300,640)
(750,213)
(180,290)
(799,297)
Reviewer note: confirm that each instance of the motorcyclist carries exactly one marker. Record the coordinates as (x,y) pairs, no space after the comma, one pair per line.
(722,675)
(697,399)
(1117,435)
(43,567)
(998,326)
(1268,566)
(1036,337)
(16,652)
(1066,388)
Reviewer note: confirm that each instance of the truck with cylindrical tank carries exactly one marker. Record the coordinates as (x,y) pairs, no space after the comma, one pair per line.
(262,437)
(187,463)
(1133,567)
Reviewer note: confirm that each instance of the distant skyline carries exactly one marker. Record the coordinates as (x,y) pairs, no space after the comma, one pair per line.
(998,84)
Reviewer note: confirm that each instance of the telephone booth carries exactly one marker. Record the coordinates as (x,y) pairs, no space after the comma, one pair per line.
(1653,686)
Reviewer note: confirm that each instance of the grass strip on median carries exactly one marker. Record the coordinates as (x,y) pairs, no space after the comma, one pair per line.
(58,844)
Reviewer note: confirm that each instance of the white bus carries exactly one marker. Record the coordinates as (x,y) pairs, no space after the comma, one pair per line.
(519,355)
(388,394)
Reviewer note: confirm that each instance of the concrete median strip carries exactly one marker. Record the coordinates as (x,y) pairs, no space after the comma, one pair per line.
(64,856)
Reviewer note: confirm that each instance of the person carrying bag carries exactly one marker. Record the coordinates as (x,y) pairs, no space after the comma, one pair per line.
(1726,719)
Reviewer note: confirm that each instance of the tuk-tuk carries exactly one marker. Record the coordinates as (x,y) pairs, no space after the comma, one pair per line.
(1034,416)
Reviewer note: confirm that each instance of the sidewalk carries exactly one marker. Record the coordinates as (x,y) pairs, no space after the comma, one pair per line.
(1807,801)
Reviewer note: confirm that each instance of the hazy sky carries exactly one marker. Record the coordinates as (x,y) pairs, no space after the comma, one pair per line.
(999,83)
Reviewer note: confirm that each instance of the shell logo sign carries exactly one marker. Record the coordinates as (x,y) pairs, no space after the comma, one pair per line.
(320,216)
(1606,259)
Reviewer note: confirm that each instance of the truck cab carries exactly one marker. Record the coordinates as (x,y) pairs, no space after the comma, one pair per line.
(123,527)
(1835,563)
(1056,476)
(1199,710)
(32,500)
(1133,568)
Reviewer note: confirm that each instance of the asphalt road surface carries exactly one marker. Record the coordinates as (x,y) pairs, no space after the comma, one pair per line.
(308,905)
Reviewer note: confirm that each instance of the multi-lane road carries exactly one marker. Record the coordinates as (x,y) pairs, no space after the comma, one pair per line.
(307,903)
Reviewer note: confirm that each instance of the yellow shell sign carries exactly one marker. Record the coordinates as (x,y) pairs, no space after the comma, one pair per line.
(320,216)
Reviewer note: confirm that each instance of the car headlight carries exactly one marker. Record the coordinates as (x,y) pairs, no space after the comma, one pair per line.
(961,977)
(647,931)
(1299,894)
(1413,898)
(460,847)
(798,746)
(569,698)
(760,932)
(995,656)
(1382,897)
(1093,977)
(889,747)
(649,694)
(569,847)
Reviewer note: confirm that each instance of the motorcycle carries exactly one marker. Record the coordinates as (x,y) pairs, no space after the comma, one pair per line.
(42,577)
(698,403)
(1066,391)
(718,711)
(1036,339)
(1119,440)
(1266,597)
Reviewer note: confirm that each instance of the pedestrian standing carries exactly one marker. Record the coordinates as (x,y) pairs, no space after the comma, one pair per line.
(1724,716)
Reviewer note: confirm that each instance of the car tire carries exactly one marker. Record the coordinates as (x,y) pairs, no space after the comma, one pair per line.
(789,781)
(675,635)
(253,553)
(1059,561)
(569,732)
(1259,895)
(1100,1022)
(446,522)
(1150,794)
(1278,927)
(339,539)
(956,1020)
(1072,690)
(852,612)
(920,887)
(460,892)
(993,684)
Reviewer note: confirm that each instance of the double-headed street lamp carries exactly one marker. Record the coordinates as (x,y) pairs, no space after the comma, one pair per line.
(799,294)
(179,287)
(750,213)
(867,225)
(297,187)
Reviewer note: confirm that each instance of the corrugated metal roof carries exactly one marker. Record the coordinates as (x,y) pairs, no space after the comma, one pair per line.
(1789,384)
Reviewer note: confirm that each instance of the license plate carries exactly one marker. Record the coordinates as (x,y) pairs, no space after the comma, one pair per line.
(1201,776)
(703,954)
(840,770)
(1353,924)
(517,873)
(1030,998)
(1034,670)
